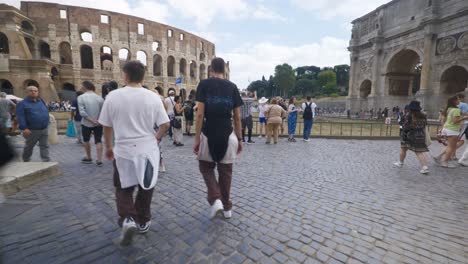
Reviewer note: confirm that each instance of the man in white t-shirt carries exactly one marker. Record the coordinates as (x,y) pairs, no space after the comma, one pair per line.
(308,113)
(136,152)
(170,107)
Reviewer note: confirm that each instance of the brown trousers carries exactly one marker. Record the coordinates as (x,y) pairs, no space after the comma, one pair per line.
(217,190)
(140,211)
(272,129)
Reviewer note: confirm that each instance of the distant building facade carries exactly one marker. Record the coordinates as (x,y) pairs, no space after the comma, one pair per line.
(408,50)
(56,47)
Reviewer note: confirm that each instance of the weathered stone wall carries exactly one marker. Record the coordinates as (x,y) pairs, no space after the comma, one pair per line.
(26,60)
(388,43)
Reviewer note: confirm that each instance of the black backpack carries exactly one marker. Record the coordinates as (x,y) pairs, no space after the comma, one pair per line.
(308,112)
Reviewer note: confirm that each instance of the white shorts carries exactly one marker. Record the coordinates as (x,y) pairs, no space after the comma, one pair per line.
(450,133)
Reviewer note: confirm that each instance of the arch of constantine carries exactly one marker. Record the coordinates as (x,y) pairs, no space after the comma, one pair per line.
(409,49)
(56,47)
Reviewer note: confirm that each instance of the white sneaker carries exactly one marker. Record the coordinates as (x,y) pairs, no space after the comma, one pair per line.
(424,170)
(398,164)
(162,168)
(215,208)
(463,164)
(129,229)
(260,136)
(227,214)
(306,140)
(143,228)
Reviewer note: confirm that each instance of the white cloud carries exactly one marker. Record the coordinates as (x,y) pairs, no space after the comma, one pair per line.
(151,10)
(251,61)
(328,9)
(262,12)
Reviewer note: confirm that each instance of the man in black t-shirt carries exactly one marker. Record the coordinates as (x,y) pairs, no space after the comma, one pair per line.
(189,113)
(217,142)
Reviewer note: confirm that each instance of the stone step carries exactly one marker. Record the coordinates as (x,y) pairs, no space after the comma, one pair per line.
(16,176)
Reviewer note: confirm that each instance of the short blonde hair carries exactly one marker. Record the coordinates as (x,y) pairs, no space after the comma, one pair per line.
(274,100)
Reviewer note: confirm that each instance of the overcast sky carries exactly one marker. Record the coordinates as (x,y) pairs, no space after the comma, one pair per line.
(255,35)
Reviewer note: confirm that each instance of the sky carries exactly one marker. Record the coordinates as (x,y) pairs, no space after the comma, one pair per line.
(255,35)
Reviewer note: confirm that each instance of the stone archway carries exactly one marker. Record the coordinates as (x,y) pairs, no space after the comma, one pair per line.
(454,80)
(4,45)
(65,53)
(157,65)
(107,60)
(183,67)
(170,66)
(31,83)
(6,86)
(402,73)
(86,54)
(365,89)
(44,49)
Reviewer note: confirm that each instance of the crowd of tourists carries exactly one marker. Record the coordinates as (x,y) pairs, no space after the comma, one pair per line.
(415,135)
(130,134)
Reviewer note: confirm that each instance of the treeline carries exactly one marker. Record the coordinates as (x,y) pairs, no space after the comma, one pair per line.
(304,81)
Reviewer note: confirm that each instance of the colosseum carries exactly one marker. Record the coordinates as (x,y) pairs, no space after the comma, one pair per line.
(56,47)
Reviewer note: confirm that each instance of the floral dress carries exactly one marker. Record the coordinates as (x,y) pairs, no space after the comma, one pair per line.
(292,120)
(413,134)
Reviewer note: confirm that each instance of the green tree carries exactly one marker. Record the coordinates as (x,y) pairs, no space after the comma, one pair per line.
(306,87)
(327,80)
(259,86)
(342,76)
(284,79)
(271,87)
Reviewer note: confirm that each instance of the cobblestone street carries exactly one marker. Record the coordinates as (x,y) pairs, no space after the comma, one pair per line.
(327,201)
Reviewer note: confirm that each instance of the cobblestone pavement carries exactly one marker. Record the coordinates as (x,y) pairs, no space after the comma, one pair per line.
(328,201)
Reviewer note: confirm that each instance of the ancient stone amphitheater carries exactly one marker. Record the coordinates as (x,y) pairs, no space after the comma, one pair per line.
(56,47)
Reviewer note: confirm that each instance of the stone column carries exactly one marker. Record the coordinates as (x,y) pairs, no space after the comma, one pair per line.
(426,63)
(377,89)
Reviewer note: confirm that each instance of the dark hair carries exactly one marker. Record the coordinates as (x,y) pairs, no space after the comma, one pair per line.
(88,86)
(78,93)
(144,86)
(308,98)
(461,96)
(417,115)
(217,64)
(135,71)
(176,98)
(291,100)
(113,85)
(451,103)
(160,90)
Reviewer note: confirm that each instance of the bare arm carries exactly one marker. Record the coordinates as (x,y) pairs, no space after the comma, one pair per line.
(237,123)
(108,137)
(200,117)
(162,131)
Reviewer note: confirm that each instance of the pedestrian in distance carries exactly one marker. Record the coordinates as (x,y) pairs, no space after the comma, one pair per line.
(33,119)
(274,115)
(308,115)
(413,136)
(135,155)
(292,119)
(262,107)
(90,105)
(217,142)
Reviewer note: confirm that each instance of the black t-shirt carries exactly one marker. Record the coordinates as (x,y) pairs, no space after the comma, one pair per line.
(189,110)
(220,97)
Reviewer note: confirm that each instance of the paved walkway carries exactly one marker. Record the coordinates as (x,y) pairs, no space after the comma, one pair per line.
(329,201)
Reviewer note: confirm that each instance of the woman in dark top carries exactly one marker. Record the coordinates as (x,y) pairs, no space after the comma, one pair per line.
(217,143)
(413,136)
(177,124)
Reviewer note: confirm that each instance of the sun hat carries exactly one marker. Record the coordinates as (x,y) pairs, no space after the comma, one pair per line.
(415,105)
(171,92)
(263,100)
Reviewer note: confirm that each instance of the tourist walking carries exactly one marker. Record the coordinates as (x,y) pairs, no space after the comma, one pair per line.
(162,165)
(292,119)
(76,118)
(170,109)
(308,114)
(452,127)
(262,107)
(7,107)
(246,115)
(177,121)
(274,115)
(90,105)
(189,114)
(413,136)
(33,118)
(136,153)
(217,143)
(464,132)
(285,107)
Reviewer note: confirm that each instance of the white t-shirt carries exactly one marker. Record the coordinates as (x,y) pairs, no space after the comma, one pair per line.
(170,105)
(132,113)
(262,109)
(313,106)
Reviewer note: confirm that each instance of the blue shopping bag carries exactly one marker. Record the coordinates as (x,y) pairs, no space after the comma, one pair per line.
(71,129)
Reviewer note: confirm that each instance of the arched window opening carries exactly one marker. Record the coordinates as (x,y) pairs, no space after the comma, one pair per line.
(6,86)
(402,73)
(124,54)
(183,67)
(107,61)
(202,56)
(68,92)
(454,80)
(30,44)
(202,72)
(4,47)
(86,36)
(193,69)
(27,27)
(156,46)
(86,53)
(65,53)
(141,56)
(170,66)
(31,83)
(157,65)
(54,73)
(183,94)
(44,49)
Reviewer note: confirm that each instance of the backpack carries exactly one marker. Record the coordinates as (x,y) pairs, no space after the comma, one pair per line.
(308,112)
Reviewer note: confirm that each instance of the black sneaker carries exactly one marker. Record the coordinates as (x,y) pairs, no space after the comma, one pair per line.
(179,145)
(86,161)
(250,142)
(99,163)
(143,228)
